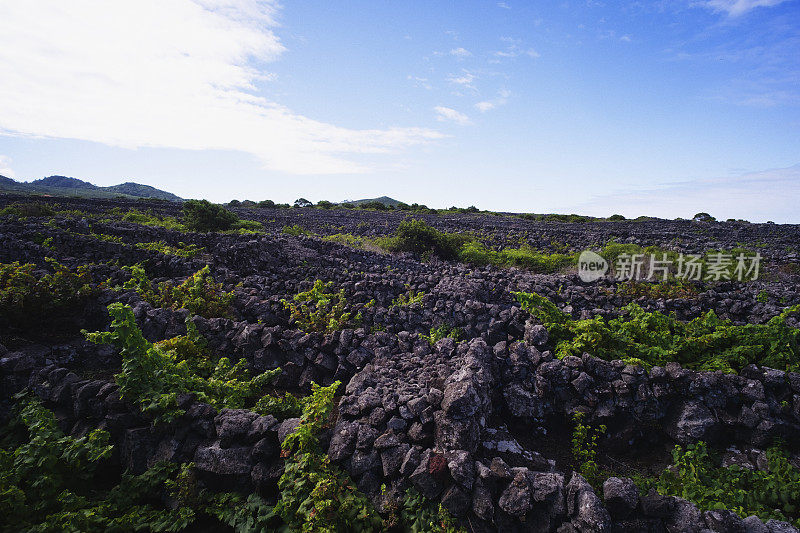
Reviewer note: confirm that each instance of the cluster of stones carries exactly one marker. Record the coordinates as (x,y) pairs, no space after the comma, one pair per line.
(457,421)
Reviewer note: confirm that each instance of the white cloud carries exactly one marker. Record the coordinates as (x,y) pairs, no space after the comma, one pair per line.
(446,114)
(5,167)
(464,79)
(179,74)
(503,5)
(488,105)
(421,82)
(625,38)
(735,8)
(516,51)
(460,52)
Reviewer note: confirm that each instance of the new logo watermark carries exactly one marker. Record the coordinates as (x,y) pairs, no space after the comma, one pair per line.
(716,266)
(591,266)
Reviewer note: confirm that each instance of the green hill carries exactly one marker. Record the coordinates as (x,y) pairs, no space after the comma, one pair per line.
(385,200)
(66,186)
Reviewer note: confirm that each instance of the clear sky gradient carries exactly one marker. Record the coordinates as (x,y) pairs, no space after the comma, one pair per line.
(596,107)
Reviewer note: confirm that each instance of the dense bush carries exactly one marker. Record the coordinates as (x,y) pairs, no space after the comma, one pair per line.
(705,343)
(419,238)
(29,297)
(704,217)
(202,215)
(154,375)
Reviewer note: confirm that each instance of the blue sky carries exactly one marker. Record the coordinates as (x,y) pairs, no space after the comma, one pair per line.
(655,108)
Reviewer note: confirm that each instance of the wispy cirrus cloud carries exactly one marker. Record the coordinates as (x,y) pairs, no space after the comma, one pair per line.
(183,74)
(465,79)
(447,114)
(516,51)
(736,8)
(460,52)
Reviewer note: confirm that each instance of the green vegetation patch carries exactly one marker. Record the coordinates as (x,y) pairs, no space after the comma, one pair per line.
(202,215)
(47,482)
(295,230)
(199,293)
(181,250)
(443,331)
(653,339)
(409,299)
(698,477)
(27,209)
(667,290)
(154,375)
(28,296)
(322,309)
(524,257)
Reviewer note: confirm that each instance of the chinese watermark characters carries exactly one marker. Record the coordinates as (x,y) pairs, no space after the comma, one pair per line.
(717,266)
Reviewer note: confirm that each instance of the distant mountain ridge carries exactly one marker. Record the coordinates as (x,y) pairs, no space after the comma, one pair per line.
(385,200)
(66,186)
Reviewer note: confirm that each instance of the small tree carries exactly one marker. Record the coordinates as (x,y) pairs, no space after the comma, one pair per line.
(266,203)
(202,215)
(704,217)
(302,202)
(325,204)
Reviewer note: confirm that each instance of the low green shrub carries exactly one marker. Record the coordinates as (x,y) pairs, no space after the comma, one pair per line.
(47,482)
(442,331)
(316,495)
(247,227)
(674,288)
(154,375)
(409,299)
(698,477)
(705,343)
(148,218)
(29,297)
(199,293)
(295,230)
(181,250)
(27,209)
(420,515)
(320,309)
